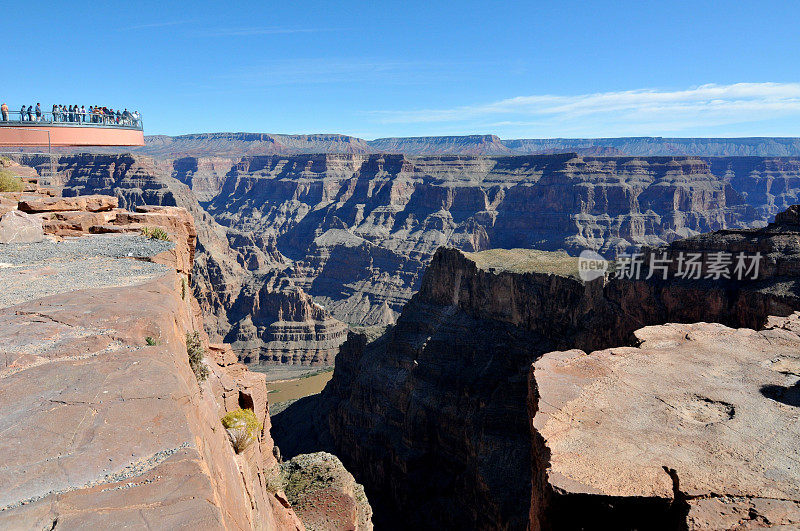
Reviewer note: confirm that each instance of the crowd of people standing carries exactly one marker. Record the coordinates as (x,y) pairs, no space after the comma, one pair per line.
(75,114)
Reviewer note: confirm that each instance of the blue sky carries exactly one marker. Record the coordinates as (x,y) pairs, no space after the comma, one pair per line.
(373,69)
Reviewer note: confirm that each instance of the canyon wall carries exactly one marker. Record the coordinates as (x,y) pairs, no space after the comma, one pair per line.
(433,415)
(234,271)
(249,144)
(105,422)
(356,231)
(359,229)
(243,144)
(630,146)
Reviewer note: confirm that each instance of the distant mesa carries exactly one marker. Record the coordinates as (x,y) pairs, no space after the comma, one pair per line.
(229,144)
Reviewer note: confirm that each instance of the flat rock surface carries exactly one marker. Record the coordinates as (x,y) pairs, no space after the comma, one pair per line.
(19,227)
(91,203)
(94,420)
(526,261)
(31,271)
(718,406)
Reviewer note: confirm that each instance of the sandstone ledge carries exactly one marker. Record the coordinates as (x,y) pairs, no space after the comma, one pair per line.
(101,428)
(700,423)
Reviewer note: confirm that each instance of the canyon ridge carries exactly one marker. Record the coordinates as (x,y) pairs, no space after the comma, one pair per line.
(294,248)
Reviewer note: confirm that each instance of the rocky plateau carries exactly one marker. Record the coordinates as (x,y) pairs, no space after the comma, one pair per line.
(249,144)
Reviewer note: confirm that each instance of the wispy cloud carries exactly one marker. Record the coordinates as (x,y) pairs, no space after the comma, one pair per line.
(625,111)
(154,25)
(315,71)
(248,32)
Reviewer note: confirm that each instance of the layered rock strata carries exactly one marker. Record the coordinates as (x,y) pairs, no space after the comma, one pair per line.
(355,232)
(432,416)
(234,271)
(276,322)
(360,229)
(240,144)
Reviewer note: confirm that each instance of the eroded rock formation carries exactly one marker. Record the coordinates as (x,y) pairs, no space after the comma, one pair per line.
(432,415)
(356,231)
(233,270)
(361,228)
(104,423)
(325,495)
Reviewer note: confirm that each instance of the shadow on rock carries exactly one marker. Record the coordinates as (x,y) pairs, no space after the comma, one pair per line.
(300,428)
(789,395)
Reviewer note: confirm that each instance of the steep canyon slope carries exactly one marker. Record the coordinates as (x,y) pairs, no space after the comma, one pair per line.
(434,416)
(355,231)
(239,279)
(105,424)
(359,229)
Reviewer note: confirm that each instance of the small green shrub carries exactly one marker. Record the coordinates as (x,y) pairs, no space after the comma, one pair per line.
(273,478)
(150,341)
(9,183)
(155,233)
(196,353)
(184,285)
(243,428)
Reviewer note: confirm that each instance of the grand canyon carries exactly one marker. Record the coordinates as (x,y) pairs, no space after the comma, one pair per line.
(400,266)
(479,382)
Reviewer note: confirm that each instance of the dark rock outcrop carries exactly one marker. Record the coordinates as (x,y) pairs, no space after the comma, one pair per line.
(432,416)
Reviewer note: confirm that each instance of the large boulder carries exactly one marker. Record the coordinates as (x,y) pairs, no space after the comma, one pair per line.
(90,203)
(697,427)
(19,227)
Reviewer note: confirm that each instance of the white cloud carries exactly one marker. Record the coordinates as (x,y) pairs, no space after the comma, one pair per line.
(643,111)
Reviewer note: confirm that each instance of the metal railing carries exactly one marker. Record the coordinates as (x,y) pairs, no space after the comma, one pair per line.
(70,118)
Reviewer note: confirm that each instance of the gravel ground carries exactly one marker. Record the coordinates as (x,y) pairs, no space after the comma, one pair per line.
(35,270)
(101,245)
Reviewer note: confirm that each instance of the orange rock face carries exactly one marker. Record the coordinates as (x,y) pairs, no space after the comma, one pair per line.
(90,203)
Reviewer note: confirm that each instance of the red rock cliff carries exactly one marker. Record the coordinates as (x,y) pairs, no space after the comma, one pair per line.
(104,422)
